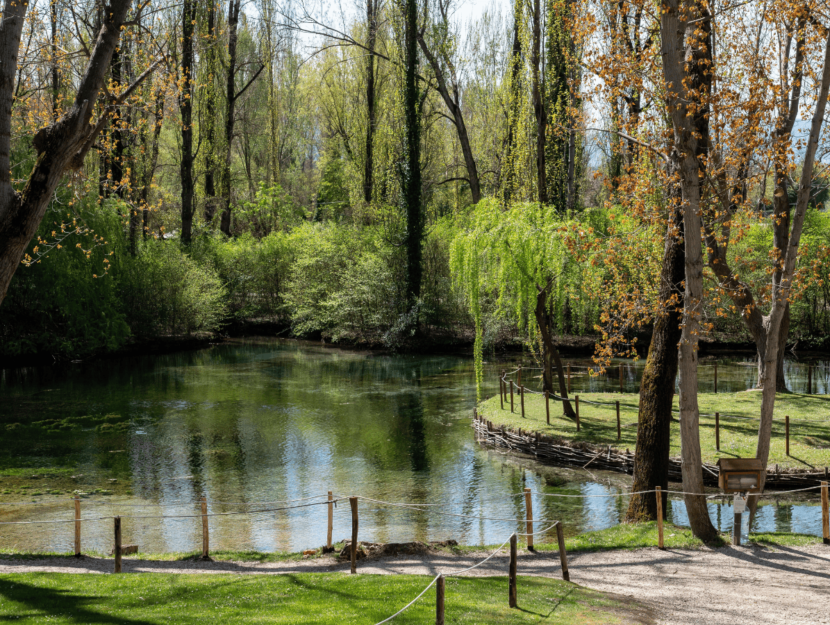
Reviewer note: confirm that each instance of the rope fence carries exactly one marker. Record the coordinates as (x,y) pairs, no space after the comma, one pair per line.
(508,385)
(330,500)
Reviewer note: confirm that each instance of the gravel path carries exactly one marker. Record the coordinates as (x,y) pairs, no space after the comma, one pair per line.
(729,586)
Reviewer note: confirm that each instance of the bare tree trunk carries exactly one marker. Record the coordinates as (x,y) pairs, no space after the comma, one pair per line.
(371,112)
(56,77)
(60,145)
(508,173)
(186,109)
(209,122)
(230,119)
(150,168)
(539,105)
(651,456)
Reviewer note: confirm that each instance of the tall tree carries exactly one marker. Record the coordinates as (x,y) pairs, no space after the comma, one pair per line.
(63,143)
(411,166)
(371,100)
(186,110)
(448,85)
(685,29)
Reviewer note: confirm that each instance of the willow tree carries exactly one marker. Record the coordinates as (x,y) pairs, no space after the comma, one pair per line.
(517,256)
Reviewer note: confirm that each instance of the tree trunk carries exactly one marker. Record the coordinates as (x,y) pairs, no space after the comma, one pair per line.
(230,119)
(508,170)
(150,169)
(686,47)
(186,109)
(452,101)
(784,284)
(55,73)
(411,174)
(208,126)
(61,144)
(550,355)
(651,455)
(539,105)
(369,165)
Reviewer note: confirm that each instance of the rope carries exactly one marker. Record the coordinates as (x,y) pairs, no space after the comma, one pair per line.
(435,579)
(386,620)
(174,516)
(464,516)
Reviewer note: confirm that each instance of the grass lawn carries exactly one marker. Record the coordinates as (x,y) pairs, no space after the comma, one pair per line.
(320,598)
(809,424)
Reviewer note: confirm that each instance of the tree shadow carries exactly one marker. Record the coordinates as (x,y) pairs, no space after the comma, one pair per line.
(43,600)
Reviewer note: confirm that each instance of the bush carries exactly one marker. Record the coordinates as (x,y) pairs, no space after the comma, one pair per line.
(254,272)
(166,292)
(67,303)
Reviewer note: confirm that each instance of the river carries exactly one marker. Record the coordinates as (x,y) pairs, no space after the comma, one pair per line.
(258,424)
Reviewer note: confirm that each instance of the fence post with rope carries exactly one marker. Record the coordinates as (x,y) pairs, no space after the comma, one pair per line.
(439,601)
(205,531)
(563,556)
(529,515)
(77,526)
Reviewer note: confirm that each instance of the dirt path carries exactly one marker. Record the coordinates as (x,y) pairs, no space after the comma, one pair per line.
(729,586)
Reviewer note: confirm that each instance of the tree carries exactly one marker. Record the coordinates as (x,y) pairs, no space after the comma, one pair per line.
(685,29)
(186,111)
(60,145)
(411,160)
(448,85)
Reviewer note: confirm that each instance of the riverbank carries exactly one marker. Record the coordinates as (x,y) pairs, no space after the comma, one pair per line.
(738,424)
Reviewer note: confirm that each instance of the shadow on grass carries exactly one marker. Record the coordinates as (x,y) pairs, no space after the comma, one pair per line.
(43,601)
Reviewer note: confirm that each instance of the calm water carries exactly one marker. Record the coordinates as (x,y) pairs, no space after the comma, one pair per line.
(259,421)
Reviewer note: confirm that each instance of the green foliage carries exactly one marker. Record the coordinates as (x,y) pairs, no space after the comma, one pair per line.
(166,292)
(342,282)
(271,210)
(254,272)
(67,303)
(507,256)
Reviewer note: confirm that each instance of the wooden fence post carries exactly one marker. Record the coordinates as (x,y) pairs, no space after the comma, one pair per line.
(787,432)
(501,392)
(522,397)
(512,601)
(563,556)
(809,379)
(439,601)
(511,396)
(520,375)
(621,378)
(329,546)
(205,531)
(547,406)
(77,526)
(619,427)
(117,549)
(659,494)
(577,412)
(716,377)
(825,513)
(569,377)
(717,431)
(353,503)
(529,517)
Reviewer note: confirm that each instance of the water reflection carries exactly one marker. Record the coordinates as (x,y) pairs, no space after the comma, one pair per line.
(273,421)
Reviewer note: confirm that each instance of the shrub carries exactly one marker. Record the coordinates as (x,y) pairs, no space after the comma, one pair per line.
(165,292)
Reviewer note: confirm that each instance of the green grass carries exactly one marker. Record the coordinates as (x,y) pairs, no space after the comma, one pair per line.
(319,598)
(809,424)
